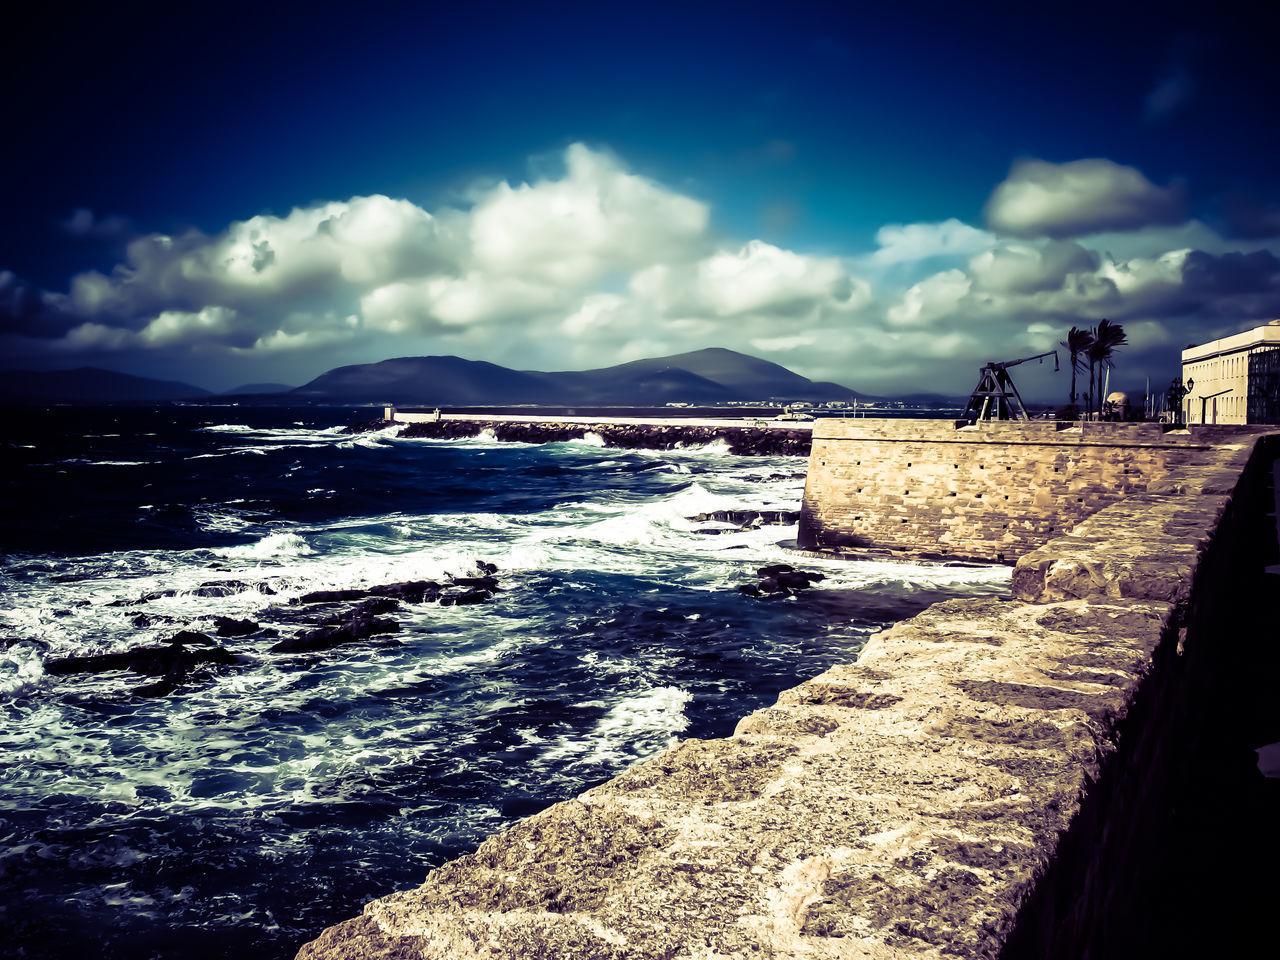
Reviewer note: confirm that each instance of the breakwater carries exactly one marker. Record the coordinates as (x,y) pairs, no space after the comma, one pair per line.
(993,778)
(743,437)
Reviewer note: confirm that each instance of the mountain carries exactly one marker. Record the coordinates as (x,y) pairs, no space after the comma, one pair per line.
(257,389)
(732,376)
(90,385)
(429,380)
(712,375)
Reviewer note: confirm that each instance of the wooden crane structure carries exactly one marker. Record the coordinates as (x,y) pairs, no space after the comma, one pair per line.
(995,397)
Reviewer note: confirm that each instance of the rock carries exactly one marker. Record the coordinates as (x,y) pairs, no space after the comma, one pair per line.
(368,426)
(774,570)
(229,588)
(487,568)
(191,637)
(465,598)
(173,663)
(231,627)
(410,591)
(357,628)
(484,583)
(368,608)
(331,596)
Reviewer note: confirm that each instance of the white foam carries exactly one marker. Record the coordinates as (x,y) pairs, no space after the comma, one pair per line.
(228,428)
(21,669)
(640,725)
(272,545)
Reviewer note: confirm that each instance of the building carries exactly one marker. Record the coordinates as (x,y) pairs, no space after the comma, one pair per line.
(1235,379)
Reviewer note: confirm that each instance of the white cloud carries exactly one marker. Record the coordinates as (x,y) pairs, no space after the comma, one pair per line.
(1060,200)
(910,242)
(597,265)
(570,231)
(931,299)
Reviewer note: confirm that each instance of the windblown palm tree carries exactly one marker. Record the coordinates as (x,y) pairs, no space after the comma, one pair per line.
(1106,337)
(1077,344)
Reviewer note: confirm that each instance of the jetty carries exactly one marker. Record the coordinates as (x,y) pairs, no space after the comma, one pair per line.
(1060,773)
(744,435)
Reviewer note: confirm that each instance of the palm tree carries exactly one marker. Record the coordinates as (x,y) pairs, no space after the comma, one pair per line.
(1106,337)
(1077,344)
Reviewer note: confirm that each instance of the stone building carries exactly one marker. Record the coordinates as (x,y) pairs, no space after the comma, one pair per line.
(1235,379)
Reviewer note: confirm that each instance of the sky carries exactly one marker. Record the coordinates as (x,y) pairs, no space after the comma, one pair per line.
(882,197)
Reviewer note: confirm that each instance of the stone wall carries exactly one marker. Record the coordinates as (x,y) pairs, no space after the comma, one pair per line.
(990,491)
(993,778)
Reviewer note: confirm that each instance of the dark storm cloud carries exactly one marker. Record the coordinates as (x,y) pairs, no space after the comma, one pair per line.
(29,312)
(1249,217)
(1233,274)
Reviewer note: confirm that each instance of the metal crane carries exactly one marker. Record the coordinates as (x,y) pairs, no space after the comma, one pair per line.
(995,397)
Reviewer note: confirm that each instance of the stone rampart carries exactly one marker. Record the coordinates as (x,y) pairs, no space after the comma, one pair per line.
(990,491)
(993,778)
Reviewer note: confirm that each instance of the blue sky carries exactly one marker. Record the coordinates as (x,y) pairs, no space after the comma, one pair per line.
(881,197)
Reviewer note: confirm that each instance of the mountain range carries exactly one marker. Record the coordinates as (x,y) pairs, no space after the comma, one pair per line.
(703,376)
(710,375)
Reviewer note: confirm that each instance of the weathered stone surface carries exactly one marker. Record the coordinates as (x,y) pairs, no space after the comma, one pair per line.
(995,491)
(1145,547)
(900,806)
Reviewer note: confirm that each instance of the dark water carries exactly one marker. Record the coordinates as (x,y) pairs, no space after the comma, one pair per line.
(266,799)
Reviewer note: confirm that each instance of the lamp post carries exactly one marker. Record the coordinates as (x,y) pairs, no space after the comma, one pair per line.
(1174,396)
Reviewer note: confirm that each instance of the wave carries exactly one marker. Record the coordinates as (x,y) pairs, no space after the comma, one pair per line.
(272,545)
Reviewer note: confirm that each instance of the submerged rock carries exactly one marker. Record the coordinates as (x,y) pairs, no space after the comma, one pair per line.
(323,638)
(231,627)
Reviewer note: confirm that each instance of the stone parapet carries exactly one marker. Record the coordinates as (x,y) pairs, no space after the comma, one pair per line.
(900,806)
(990,491)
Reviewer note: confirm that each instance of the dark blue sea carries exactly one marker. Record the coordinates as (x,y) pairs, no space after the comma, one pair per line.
(266,798)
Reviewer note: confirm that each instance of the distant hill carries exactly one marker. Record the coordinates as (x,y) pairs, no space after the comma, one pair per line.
(429,380)
(90,385)
(257,389)
(711,375)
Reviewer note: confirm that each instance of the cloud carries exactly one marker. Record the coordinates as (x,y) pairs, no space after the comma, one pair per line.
(596,219)
(1026,268)
(590,264)
(913,242)
(83,223)
(1059,201)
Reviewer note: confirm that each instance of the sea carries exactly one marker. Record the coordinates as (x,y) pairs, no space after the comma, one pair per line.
(267,797)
